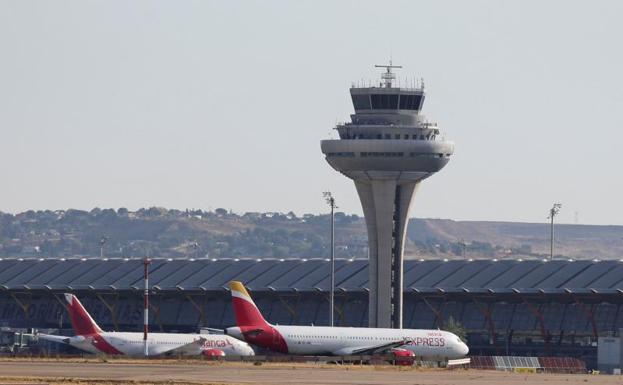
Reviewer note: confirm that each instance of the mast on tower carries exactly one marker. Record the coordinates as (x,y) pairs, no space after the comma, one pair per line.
(388,75)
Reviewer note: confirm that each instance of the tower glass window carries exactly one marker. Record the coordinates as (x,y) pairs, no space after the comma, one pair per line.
(384,101)
(361,102)
(410,102)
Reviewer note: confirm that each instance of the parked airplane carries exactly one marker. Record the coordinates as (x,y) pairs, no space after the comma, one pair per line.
(322,340)
(90,337)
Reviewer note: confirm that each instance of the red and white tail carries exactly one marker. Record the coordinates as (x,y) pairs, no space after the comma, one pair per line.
(247,314)
(81,320)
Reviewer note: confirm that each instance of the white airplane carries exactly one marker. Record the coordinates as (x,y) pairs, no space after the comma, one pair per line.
(322,340)
(89,337)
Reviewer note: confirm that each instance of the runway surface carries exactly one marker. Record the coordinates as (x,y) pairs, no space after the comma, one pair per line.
(49,372)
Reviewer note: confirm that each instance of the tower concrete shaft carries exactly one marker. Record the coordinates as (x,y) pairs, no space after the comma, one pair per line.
(386,206)
(388,148)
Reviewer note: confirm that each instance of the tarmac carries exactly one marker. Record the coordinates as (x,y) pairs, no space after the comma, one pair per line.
(64,372)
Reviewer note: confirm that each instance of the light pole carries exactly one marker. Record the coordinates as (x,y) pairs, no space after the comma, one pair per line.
(464,245)
(146,263)
(552,213)
(195,246)
(331,202)
(103,241)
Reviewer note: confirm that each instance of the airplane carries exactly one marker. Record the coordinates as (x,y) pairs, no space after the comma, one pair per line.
(337,341)
(90,338)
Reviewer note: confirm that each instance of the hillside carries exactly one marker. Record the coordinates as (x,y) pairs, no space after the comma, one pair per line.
(515,238)
(219,233)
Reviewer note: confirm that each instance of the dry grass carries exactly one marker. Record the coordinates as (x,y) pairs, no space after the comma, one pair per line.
(206,362)
(78,381)
(117,371)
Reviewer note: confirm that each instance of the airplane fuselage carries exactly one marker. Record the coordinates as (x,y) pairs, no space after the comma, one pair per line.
(323,340)
(132,344)
(253,328)
(91,338)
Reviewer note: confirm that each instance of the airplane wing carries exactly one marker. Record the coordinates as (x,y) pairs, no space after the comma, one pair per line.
(377,349)
(191,349)
(53,338)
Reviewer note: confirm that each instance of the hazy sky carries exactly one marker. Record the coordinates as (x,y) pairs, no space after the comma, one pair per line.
(222,104)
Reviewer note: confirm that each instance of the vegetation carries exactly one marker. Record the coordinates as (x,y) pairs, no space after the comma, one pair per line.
(160,232)
(453,326)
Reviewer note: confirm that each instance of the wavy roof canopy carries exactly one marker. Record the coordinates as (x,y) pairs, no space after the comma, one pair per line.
(423,276)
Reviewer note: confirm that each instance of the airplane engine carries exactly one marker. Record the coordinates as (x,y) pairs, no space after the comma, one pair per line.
(213,353)
(403,357)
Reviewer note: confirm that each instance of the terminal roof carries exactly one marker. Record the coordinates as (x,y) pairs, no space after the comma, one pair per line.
(312,275)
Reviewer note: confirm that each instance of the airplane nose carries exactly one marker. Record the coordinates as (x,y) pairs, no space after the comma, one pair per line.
(464,349)
(250,352)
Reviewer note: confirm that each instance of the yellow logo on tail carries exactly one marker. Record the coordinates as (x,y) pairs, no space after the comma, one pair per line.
(237,286)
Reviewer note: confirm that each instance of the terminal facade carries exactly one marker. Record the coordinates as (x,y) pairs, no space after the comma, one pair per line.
(508,307)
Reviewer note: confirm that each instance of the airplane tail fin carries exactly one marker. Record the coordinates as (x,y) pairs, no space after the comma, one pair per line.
(247,314)
(81,320)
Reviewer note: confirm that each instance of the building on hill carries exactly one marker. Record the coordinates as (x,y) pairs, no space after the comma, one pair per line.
(508,307)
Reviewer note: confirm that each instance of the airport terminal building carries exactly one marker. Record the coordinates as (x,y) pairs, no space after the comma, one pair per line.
(508,307)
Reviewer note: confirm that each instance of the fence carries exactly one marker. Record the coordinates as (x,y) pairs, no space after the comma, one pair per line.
(529,364)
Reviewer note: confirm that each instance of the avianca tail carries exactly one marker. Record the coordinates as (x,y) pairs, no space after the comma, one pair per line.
(322,340)
(90,337)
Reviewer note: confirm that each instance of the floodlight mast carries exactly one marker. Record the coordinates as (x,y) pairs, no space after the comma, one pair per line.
(464,245)
(331,202)
(552,213)
(103,241)
(195,246)
(146,263)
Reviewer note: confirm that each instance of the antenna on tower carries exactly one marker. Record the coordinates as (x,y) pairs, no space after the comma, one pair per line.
(388,75)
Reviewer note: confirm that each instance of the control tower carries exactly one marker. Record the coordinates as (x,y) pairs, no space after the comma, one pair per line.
(387,149)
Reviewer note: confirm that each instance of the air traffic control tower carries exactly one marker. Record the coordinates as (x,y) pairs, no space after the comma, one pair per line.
(387,149)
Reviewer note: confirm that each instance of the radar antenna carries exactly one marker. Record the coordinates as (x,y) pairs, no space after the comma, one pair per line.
(388,76)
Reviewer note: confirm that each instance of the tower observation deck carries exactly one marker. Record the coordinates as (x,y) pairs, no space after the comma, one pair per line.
(387,149)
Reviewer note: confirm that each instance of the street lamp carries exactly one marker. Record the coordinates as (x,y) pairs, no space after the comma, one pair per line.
(552,213)
(331,202)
